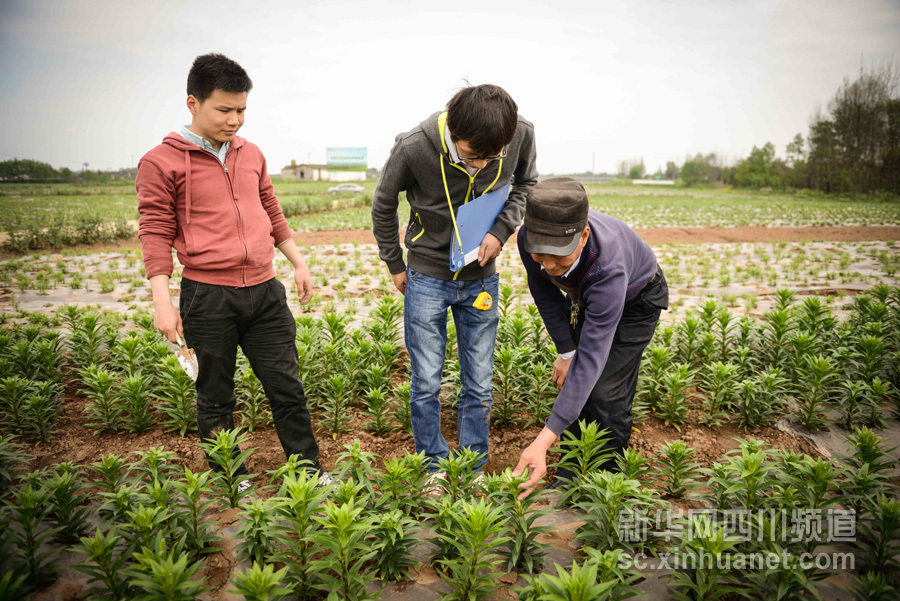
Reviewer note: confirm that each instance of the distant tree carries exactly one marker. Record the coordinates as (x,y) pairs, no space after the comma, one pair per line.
(701,169)
(693,172)
(637,170)
(94,177)
(856,145)
(27,170)
(823,156)
(891,158)
(796,172)
(795,150)
(673,171)
(760,170)
(631,168)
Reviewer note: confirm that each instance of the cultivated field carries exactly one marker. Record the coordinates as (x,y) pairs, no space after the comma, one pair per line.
(765,407)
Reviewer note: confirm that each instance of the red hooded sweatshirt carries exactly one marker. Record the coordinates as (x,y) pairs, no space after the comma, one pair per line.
(224,221)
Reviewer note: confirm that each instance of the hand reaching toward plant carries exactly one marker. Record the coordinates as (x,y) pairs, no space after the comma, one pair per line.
(534,459)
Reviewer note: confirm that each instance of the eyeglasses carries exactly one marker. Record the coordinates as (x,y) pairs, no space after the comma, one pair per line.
(502,155)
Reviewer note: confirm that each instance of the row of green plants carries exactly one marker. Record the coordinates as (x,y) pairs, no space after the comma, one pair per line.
(142,528)
(132,380)
(306,204)
(34,230)
(773,490)
(800,358)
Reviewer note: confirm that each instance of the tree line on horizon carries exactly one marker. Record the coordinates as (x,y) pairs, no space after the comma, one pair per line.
(853,146)
(29,170)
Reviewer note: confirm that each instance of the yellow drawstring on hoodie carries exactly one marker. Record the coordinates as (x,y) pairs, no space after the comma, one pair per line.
(442,125)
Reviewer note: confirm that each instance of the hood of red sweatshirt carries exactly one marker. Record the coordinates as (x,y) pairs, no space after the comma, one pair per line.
(176,141)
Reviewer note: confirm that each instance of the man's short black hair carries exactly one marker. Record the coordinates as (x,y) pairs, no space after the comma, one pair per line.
(216,72)
(484,116)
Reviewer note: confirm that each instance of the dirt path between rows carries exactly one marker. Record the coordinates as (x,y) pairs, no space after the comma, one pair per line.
(677,235)
(657,235)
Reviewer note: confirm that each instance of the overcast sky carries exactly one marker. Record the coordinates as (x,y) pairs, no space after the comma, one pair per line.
(103,82)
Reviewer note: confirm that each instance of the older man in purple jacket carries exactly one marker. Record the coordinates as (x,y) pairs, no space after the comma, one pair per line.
(600,291)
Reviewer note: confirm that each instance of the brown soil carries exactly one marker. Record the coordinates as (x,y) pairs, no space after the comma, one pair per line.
(659,235)
(74,441)
(710,444)
(675,235)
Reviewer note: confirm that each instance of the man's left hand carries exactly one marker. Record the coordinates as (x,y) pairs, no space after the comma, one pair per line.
(489,249)
(561,370)
(304,284)
(534,458)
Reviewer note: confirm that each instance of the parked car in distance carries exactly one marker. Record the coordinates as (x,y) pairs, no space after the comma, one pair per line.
(346,188)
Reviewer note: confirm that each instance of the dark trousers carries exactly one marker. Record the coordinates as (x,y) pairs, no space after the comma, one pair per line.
(216,320)
(609,403)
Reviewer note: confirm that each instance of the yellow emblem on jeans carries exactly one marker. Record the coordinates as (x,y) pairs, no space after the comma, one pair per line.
(483,302)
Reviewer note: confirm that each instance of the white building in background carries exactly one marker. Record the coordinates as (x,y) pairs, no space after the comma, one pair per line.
(315,173)
(652,182)
(343,165)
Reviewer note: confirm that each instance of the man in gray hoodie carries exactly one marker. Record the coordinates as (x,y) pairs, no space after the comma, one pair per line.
(477,145)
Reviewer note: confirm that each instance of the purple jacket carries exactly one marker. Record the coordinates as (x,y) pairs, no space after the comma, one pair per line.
(614,267)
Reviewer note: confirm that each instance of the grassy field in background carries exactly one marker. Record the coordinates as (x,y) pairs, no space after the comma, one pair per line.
(311,208)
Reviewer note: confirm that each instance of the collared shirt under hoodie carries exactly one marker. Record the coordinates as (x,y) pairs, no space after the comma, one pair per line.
(205,144)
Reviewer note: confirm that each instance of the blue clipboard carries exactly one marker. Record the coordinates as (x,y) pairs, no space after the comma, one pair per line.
(475,219)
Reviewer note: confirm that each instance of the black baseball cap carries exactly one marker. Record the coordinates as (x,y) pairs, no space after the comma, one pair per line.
(556,212)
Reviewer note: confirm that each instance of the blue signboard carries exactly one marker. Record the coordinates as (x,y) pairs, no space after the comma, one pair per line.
(346,158)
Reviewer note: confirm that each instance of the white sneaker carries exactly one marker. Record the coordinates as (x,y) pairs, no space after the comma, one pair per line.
(433,484)
(479,480)
(244,486)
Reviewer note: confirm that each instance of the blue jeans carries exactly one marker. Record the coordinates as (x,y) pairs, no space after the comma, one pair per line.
(425,322)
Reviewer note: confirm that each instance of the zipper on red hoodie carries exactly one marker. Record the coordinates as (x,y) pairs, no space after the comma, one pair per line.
(240,224)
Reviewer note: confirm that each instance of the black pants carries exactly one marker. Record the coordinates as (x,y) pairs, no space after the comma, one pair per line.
(216,320)
(609,403)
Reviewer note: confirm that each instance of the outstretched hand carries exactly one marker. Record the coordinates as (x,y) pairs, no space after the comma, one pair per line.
(534,459)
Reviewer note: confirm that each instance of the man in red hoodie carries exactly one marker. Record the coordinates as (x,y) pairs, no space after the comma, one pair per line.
(206,192)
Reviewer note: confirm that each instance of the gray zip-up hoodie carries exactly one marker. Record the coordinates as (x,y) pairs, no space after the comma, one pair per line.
(414,165)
